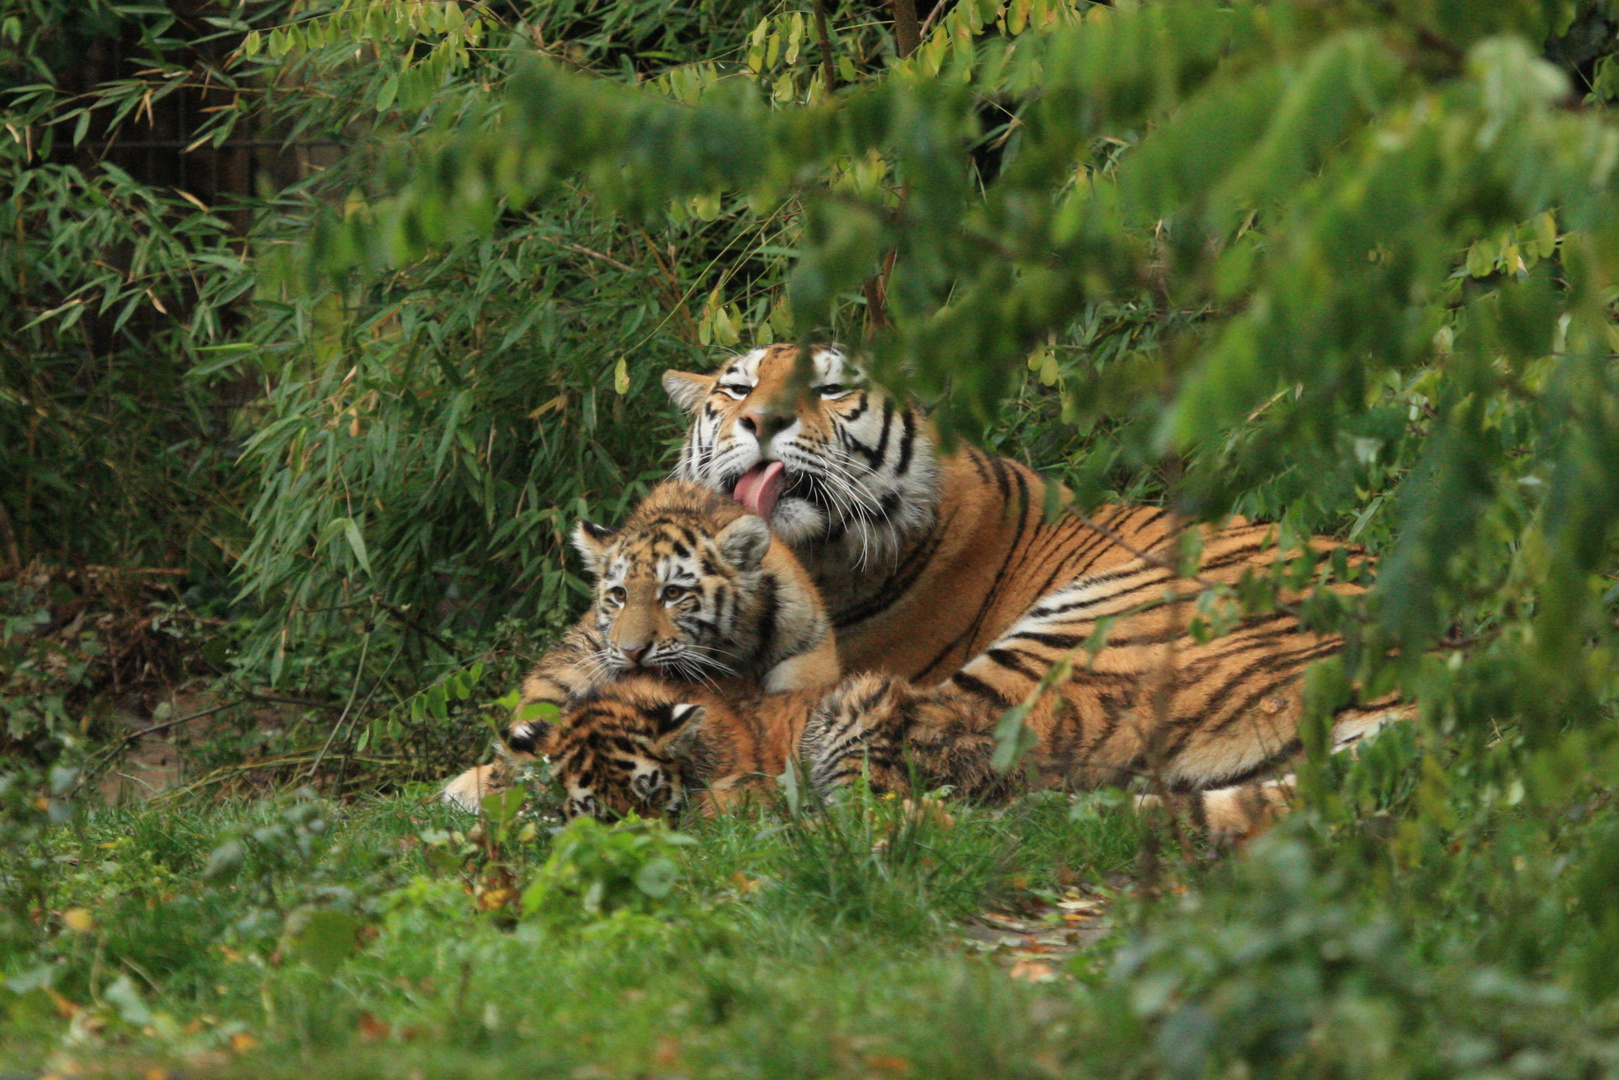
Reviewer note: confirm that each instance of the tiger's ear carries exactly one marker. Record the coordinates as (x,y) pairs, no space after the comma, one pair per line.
(744,542)
(686,722)
(592,540)
(687,390)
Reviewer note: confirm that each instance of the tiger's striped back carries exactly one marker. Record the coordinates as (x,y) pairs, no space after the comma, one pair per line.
(1155,702)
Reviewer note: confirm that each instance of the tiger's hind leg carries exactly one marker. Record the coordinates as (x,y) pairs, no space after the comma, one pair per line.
(1238,811)
(1230,814)
(887,730)
(858,729)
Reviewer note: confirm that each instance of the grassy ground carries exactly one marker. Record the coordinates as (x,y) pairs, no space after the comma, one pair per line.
(297,938)
(380,939)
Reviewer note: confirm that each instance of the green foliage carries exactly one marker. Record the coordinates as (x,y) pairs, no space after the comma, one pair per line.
(1374,251)
(595,871)
(1347,267)
(39,675)
(116,287)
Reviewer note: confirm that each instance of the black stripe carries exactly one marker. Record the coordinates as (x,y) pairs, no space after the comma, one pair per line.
(968,636)
(896,585)
(769,607)
(907,437)
(1014,660)
(1287,750)
(1054,641)
(978,688)
(978,458)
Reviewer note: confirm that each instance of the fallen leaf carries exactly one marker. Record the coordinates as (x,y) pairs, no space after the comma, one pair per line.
(495,899)
(889,1065)
(372,1029)
(242,1042)
(1033,971)
(79,920)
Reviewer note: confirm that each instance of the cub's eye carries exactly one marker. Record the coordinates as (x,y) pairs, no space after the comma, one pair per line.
(617,595)
(833,390)
(672,593)
(734,391)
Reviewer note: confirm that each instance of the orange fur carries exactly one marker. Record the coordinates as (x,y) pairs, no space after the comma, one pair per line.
(922,559)
(1208,721)
(692,587)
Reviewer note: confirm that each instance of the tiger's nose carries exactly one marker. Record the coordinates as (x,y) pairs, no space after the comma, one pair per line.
(763,425)
(633,653)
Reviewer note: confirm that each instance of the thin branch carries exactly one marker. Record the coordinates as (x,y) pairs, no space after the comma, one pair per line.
(13,553)
(106,756)
(273,700)
(933,16)
(907,35)
(410,622)
(826,44)
(581,249)
(354,692)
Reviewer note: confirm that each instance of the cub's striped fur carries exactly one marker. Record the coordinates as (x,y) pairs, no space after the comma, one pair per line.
(692,586)
(1207,720)
(651,746)
(923,559)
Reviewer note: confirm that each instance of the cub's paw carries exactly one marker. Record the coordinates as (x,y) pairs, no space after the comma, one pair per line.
(468,790)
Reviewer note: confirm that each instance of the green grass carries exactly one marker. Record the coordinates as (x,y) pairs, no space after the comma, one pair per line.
(786,946)
(297,938)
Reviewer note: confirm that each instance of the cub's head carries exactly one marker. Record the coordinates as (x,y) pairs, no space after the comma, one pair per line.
(835,461)
(628,745)
(674,584)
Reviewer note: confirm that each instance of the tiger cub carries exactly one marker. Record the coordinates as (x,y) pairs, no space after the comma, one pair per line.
(692,587)
(651,746)
(1207,720)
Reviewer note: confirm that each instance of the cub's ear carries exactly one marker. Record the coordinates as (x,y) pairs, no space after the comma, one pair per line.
(744,542)
(592,540)
(687,390)
(685,731)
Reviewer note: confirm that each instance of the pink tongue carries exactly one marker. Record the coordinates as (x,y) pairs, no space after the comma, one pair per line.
(760,487)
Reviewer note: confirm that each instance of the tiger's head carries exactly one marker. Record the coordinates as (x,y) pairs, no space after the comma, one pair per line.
(834,462)
(630,745)
(675,584)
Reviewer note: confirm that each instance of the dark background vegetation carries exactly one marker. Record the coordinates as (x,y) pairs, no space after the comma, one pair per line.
(302,492)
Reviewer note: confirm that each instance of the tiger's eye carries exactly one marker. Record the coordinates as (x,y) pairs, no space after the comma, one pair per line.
(617,595)
(671,593)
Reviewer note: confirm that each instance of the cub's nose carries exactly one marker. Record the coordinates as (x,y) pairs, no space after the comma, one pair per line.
(633,653)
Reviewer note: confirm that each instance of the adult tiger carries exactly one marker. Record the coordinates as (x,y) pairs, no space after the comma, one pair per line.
(923,558)
(1209,721)
(691,586)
